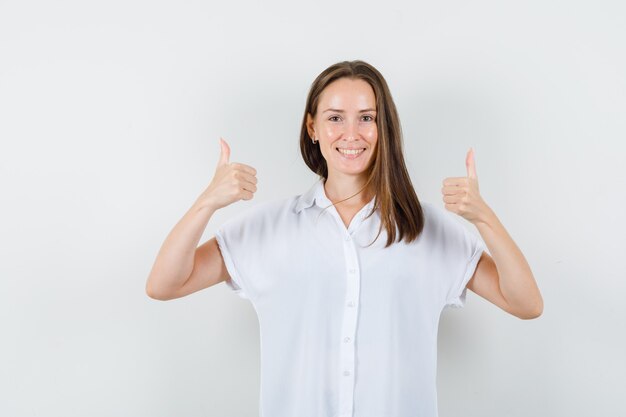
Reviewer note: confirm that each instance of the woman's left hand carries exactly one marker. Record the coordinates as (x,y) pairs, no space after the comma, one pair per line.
(461,194)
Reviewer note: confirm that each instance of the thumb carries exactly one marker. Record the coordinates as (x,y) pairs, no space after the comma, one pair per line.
(470,164)
(224,153)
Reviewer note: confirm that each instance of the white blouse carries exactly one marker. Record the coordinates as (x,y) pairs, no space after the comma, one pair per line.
(346,330)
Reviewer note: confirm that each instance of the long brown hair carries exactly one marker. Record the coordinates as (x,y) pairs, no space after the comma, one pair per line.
(400,210)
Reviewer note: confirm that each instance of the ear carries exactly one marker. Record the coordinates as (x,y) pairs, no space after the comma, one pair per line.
(310,126)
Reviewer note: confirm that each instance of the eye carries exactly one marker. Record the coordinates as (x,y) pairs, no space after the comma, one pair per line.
(370,118)
(333,117)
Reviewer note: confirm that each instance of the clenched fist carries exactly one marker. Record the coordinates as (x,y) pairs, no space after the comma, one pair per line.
(231,182)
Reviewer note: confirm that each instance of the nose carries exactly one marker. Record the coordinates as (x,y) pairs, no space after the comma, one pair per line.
(352,130)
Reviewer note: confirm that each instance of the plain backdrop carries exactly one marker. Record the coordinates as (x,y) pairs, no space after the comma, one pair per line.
(110,118)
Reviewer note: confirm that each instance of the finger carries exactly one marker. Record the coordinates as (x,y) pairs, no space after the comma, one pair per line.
(454,181)
(247,195)
(247,177)
(224,153)
(451,207)
(245,168)
(452,199)
(248,186)
(470,164)
(247,181)
(451,190)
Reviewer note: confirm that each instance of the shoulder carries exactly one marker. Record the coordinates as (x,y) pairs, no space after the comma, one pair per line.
(439,216)
(273,210)
(434,217)
(266,214)
(441,224)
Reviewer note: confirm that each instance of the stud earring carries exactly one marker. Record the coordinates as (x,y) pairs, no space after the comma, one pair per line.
(314,141)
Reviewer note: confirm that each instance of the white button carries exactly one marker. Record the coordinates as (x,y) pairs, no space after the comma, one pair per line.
(346,339)
(352,270)
(350,304)
(348,238)
(346,373)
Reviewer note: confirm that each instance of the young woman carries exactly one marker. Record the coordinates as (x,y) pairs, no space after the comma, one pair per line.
(348,279)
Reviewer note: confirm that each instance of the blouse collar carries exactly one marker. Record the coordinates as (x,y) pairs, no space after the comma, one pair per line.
(317,195)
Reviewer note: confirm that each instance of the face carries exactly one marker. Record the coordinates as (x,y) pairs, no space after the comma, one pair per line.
(346,120)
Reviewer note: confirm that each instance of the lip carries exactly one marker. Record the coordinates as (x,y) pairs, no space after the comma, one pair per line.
(350,157)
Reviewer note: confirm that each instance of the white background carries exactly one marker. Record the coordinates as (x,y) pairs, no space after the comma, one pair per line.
(110,116)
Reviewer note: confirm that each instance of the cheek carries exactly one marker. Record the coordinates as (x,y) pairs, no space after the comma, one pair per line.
(332,130)
(372,134)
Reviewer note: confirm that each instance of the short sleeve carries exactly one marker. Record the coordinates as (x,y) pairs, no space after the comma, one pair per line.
(231,243)
(466,251)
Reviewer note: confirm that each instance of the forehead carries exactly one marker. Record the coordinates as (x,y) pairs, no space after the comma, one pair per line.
(347,92)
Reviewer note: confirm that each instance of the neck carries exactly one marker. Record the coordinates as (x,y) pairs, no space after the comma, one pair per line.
(340,187)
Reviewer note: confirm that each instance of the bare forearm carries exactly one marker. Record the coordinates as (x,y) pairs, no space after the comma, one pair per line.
(517,283)
(175,260)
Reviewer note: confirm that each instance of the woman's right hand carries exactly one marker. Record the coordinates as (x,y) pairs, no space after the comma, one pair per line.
(231,182)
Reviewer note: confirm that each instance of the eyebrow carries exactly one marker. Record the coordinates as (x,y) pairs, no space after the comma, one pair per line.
(342,111)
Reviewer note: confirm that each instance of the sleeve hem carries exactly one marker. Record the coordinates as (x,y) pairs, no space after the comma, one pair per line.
(459,301)
(235,283)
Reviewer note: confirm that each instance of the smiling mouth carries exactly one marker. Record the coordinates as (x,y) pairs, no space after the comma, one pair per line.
(350,153)
(355,151)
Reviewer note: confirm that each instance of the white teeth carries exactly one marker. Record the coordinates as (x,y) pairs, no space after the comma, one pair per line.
(351,151)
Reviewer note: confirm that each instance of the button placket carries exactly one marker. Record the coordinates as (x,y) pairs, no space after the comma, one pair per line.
(346,371)
(347,349)
(348,328)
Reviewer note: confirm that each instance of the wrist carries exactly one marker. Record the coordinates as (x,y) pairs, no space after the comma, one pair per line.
(486,217)
(204,205)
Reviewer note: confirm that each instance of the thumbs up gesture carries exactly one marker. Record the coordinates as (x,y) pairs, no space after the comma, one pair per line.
(231,182)
(461,194)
